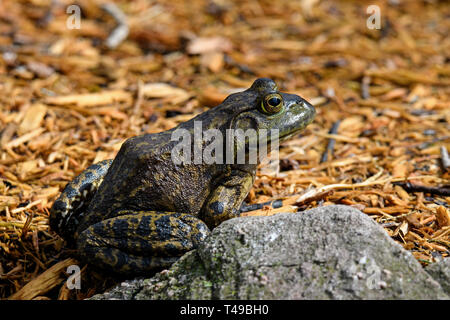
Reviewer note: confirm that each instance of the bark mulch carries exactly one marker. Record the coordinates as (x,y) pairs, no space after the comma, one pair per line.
(70,97)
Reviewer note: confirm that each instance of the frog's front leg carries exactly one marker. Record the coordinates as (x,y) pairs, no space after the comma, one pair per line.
(140,242)
(224,202)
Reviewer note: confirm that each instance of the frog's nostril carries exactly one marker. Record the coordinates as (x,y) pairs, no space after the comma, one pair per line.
(309,109)
(308,105)
(303,103)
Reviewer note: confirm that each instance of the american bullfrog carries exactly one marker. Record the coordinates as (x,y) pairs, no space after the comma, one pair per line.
(142,211)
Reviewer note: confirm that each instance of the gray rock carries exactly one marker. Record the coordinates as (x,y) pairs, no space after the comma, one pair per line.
(124,291)
(440,271)
(333,252)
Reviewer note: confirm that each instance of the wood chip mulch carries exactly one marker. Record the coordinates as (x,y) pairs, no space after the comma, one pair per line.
(70,97)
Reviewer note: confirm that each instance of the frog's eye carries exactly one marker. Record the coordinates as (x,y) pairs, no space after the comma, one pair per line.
(272,103)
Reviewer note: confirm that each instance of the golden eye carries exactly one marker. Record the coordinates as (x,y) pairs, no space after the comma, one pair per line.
(272,103)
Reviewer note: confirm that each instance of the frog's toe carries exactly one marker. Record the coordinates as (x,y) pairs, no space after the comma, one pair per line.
(199,229)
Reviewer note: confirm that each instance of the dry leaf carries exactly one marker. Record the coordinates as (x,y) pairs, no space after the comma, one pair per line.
(443,216)
(213,44)
(33,118)
(91,99)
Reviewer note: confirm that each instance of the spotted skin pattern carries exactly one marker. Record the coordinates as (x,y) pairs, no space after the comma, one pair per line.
(141,211)
(68,210)
(154,240)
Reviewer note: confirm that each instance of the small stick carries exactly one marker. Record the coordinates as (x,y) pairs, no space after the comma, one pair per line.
(331,142)
(26,226)
(139,97)
(445,158)
(276,204)
(43,21)
(258,206)
(269,211)
(242,67)
(120,32)
(429,143)
(409,187)
(315,197)
(44,282)
(365,83)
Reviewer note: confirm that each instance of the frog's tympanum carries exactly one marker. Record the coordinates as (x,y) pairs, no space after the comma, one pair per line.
(142,211)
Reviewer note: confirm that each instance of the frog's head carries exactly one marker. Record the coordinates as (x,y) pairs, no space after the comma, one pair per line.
(262,106)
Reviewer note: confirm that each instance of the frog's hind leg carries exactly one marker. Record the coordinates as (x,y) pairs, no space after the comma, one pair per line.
(71,205)
(140,242)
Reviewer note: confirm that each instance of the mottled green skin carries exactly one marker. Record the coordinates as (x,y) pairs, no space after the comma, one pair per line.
(141,211)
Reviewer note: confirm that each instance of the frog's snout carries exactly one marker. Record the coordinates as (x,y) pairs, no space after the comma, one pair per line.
(310,111)
(301,113)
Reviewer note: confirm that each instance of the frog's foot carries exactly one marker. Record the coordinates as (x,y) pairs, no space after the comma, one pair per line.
(71,205)
(140,242)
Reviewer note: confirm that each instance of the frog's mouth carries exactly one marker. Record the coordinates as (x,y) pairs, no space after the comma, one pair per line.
(288,136)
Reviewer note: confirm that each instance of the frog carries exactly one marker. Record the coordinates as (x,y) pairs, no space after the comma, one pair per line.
(141,211)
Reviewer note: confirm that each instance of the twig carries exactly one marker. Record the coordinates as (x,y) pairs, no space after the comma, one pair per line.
(27,207)
(409,187)
(139,98)
(119,33)
(365,83)
(291,201)
(314,192)
(331,142)
(44,282)
(258,206)
(26,226)
(430,143)
(445,158)
(270,211)
(315,197)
